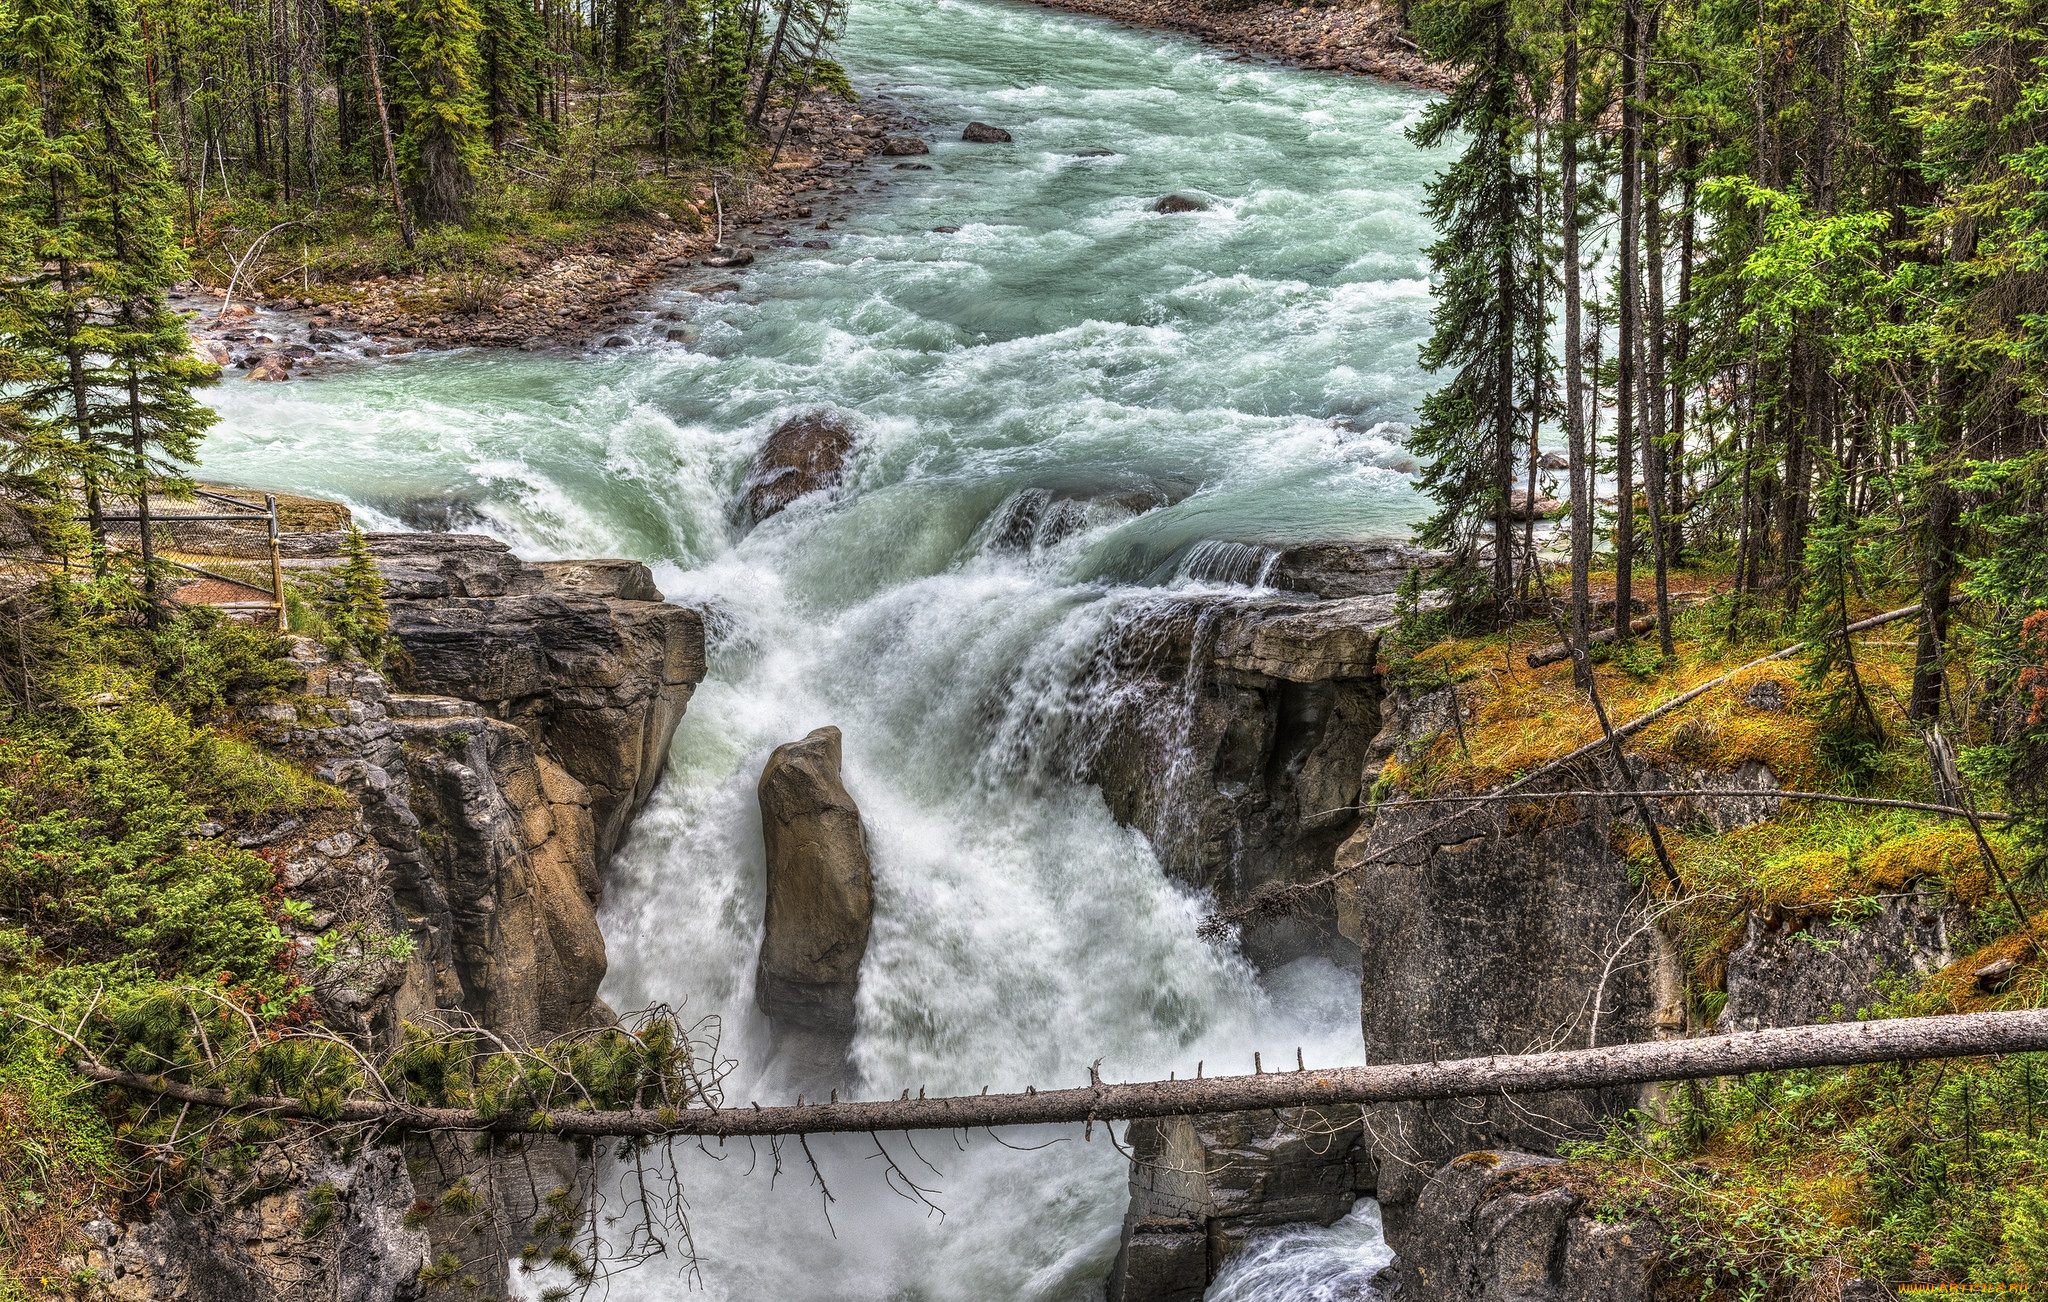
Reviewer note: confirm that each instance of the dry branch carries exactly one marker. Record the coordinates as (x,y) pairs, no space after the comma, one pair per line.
(1785,1048)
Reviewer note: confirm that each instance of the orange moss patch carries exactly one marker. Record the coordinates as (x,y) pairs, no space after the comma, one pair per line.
(1519,718)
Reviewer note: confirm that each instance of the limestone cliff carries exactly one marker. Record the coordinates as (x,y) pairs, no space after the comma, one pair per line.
(457,883)
(1236,729)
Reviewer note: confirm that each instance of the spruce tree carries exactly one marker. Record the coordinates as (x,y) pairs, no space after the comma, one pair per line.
(510,47)
(442,145)
(1486,311)
(102,367)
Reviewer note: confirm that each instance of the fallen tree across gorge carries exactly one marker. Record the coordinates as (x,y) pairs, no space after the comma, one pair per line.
(1785,1048)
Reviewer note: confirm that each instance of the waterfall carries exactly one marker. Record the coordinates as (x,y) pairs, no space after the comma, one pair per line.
(959,611)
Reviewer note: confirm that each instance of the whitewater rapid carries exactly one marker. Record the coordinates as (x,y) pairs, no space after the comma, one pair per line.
(1258,357)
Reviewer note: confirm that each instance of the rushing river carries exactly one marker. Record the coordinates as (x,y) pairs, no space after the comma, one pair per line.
(1261,354)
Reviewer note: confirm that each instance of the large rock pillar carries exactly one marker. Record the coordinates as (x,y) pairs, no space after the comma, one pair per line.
(820,906)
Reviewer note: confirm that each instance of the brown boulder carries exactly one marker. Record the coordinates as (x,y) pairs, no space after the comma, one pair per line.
(904,146)
(820,889)
(1179,203)
(806,454)
(981,133)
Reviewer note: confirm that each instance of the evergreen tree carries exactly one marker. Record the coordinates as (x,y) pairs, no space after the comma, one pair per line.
(442,144)
(510,48)
(104,367)
(1486,312)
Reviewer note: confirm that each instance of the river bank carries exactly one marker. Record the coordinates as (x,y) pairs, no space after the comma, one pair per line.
(558,295)
(1363,39)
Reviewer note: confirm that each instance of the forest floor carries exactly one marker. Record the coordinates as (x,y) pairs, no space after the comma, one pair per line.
(1356,37)
(1792,1184)
(534,277)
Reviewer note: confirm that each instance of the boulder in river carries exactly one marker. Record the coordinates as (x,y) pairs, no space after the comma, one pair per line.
(820,890)
(981,133)
(1179,203)
(806,454)
(903,146)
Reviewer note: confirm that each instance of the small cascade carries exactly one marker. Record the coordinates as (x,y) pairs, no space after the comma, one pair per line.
(1244,565)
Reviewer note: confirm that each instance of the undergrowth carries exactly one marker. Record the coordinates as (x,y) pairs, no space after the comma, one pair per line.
(120,879)
(1788,1185)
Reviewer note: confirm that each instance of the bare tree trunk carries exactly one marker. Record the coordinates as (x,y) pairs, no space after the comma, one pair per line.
(1835,1044)
(1625,352)
(384,121)
(1581,471)
(1653,372)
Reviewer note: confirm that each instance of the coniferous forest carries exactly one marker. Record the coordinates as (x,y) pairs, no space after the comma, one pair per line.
(1719,444)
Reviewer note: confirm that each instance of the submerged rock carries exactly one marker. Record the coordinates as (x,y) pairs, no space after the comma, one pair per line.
(1179,203)
(806,454)
(820,897)
(981,133)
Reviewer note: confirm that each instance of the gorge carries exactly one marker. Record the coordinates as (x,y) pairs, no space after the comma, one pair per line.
(1250,365)
(1095,607)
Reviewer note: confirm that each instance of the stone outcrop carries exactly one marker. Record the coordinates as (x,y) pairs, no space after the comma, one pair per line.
(981,133)
(820,901)
(1235,735)
(1493,933)
(458,884)
(583,656)
(1489,1228)
(1794,971)
(315,1228)
(1201,1185)
(1512,927)
(806,454)
(1044,515)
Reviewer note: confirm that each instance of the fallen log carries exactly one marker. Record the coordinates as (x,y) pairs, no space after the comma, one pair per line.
(1550,655)
(1643,721)
(1838,1044)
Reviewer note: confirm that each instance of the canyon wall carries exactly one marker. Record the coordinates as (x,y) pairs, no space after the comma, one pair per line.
(526,716)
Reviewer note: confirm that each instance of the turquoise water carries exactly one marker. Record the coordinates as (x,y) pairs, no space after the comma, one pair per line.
(1255,362)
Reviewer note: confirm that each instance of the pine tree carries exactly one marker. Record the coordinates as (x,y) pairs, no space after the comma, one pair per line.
(442,144)
(1486,309)
(105,368)
(510,47)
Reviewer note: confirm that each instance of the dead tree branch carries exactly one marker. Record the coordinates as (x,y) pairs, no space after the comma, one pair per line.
(1780,1049)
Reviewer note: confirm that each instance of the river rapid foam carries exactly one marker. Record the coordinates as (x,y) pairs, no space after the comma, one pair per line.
(1254,363)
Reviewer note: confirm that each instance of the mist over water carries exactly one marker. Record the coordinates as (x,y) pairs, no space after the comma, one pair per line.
(1253,364)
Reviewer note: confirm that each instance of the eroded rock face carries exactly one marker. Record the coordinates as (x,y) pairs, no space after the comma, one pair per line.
(598,681)
(1795,971)
(1042,516)
(1512,928)
(1490,932)
(1235,738)
(806,454)
(1201,1185)
(472,832)
(820,890)
(1486,1231)
(350,1243)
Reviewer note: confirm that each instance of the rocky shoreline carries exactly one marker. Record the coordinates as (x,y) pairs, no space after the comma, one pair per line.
(568,297)
(1363,39)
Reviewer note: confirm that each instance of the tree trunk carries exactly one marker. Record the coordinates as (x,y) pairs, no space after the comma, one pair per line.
(1504,394)
(1833,1044)
(1653,335)
(1574,402)
(384,121)
(1625,351)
